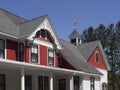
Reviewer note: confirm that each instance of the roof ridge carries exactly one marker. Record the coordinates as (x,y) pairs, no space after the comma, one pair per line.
(34,19)
(90,42)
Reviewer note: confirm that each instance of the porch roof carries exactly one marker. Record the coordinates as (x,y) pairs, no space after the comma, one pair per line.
(36,67)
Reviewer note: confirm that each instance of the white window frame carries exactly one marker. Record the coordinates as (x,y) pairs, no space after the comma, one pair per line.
(53,57)
(92,83)
(38,61)
(96,57)
(4,48)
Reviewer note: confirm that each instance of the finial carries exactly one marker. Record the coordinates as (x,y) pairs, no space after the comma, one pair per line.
(75,23)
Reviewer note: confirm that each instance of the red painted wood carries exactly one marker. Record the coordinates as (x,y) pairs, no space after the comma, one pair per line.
(56,61)
(99,64)
(12,50)
(43,55)
(27,54)
(66,65)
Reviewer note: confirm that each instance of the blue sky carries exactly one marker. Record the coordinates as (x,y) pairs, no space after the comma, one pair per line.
(62,12)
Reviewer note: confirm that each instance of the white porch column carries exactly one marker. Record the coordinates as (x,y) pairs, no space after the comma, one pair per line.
(22,79)
(71,83)
(51,81)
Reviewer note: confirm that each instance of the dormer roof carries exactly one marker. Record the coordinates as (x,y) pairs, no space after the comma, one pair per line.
(74,34)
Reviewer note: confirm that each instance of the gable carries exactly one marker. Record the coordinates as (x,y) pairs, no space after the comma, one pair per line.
(46,25)
(92,59)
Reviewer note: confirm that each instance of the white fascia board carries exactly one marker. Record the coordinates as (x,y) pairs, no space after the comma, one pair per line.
(45,25)
(42,67)
(8,35)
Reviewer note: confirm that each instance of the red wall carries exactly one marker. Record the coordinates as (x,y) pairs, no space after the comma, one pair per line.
(12,50)
(99,64)
(56,61)
(66,65)
(27,54)
(43,55)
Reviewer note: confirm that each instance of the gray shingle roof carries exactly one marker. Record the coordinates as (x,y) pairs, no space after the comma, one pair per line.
(87,49)
(74,34)
(28,27)
(9,23)
(74,57)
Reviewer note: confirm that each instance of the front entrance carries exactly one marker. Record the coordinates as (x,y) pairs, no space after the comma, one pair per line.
(62,84)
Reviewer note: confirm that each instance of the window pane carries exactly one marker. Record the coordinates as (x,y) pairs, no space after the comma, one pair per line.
(2,48)
(46,83)
(43,33)
(51,61)
(2,44)
(40,83)
(28,83)
(97,60)
(51,57)
(76,83)
(51,53)
(92,80)
(34,53)
(2,82)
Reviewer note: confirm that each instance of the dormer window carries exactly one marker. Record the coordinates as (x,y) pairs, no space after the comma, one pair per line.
(96,57)
(43,33)
(2,48)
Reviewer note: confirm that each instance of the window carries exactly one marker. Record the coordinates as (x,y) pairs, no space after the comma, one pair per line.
(96,57)
(62,84)
(43,33)
(73,40)
(92,83)
(43,83)
(2,82)
(60,61)
(34,53)
(50,57)
(2,48)
(104,86)
(28,82)
(76,82)
(21,52)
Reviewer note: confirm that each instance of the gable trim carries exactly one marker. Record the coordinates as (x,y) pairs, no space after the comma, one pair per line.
(47,26)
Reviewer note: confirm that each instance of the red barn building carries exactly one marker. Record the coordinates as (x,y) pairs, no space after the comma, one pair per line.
(33,57)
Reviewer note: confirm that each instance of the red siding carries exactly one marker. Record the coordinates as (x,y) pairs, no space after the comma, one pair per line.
(12,50)
(56,61)
(99,64)
(27,54)
(66,65)
(43,55)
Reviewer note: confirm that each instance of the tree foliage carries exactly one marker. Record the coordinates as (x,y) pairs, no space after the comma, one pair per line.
(110,40)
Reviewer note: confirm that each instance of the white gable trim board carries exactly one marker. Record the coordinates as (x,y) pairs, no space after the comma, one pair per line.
(45,25)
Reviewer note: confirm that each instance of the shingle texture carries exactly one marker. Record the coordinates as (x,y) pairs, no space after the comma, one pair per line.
(76,56)
(71,53)
(74,34)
